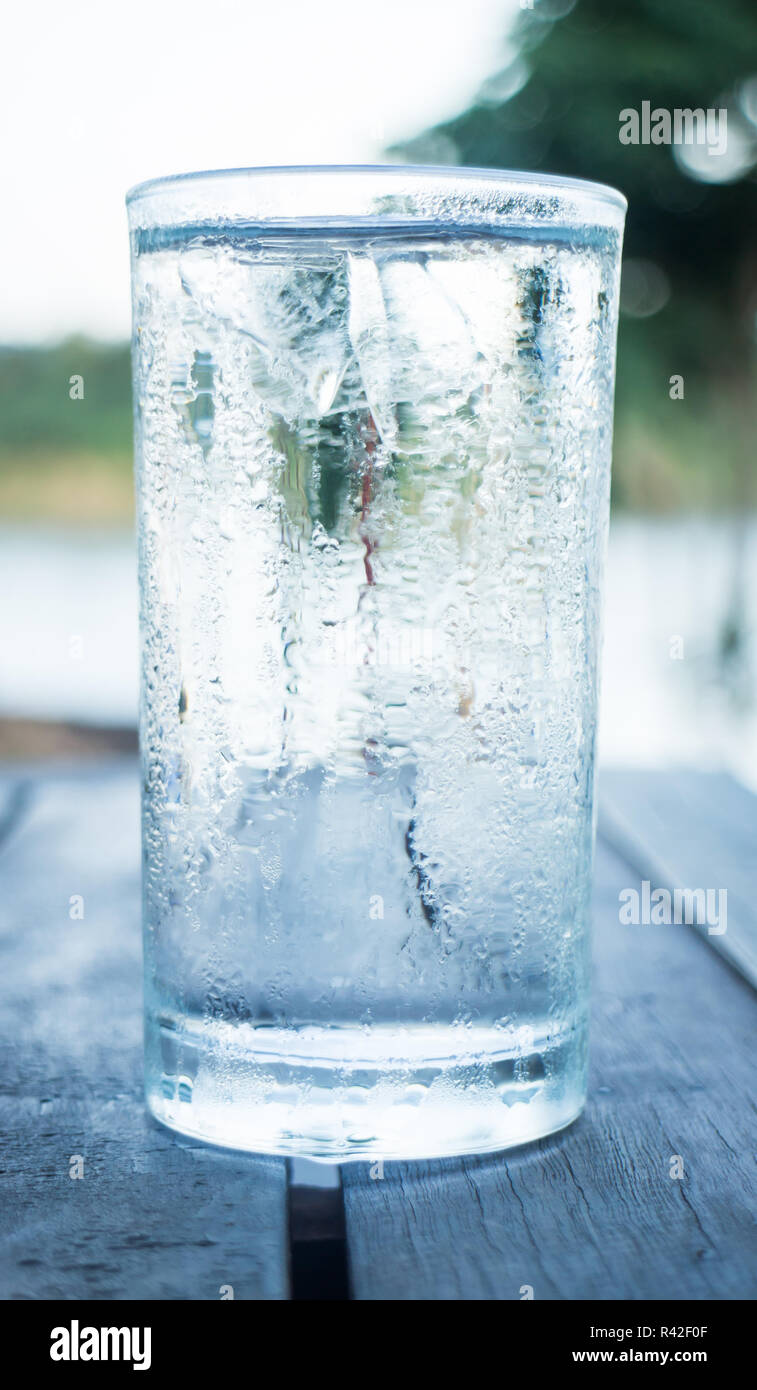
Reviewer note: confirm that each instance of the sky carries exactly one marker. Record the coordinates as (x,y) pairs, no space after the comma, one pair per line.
(98,96)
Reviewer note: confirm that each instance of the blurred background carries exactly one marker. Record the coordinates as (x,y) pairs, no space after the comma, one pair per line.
(97,98)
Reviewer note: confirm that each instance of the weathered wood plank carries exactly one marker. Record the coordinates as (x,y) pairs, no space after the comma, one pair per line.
(594,1213)
(151,1217)
(691,830)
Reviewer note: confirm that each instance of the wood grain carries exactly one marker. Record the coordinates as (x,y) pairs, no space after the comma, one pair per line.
(691,830)
(595,1213)
(151,1217)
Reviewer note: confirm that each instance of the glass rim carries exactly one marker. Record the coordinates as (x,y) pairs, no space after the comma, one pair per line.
(582,196)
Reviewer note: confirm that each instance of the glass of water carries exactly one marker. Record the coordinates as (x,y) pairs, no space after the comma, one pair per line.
(374,413)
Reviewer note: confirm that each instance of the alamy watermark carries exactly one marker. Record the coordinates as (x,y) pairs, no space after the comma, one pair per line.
(349,645)
(681,126)
(658,907)
(75,1343)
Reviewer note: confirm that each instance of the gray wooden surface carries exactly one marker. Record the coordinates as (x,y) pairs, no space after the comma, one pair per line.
(150,1217)
(591,1214)
(594,1213)
(674,829)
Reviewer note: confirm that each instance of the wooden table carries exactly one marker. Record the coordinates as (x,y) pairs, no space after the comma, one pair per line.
(593,1213)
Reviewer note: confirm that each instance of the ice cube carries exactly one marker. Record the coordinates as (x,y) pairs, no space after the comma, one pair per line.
(294,315)
(415,349)
(371,343)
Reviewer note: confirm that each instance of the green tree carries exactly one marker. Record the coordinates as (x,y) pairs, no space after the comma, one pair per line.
(692,218)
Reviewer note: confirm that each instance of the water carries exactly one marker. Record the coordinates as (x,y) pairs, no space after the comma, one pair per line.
(666,578)
(373,503)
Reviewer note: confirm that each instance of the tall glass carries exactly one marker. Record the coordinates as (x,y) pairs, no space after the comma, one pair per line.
(374,413)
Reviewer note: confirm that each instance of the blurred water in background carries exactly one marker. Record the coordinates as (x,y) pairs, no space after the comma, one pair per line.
(679,650)
(678,670)
(68,624)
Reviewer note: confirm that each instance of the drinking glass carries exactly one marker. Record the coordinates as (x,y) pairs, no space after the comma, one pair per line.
(373,430)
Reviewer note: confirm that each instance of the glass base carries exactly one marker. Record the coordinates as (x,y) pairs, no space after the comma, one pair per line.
(407,1092)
